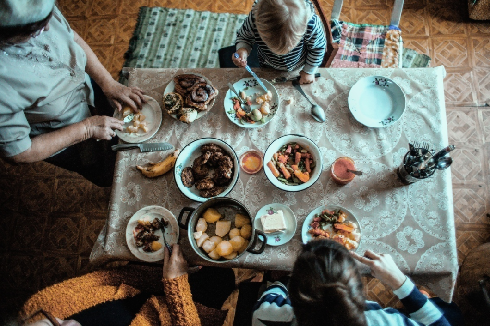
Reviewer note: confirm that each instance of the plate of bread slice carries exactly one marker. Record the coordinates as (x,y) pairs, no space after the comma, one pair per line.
(188,97)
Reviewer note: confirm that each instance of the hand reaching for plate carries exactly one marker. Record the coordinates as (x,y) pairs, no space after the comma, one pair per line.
(174,265)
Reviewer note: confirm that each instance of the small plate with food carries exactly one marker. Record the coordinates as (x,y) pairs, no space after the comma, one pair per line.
(142,125)
(206,168)
(292,162)
(278,223)
(144,232)
(188,97)
(332,222)
(263,105)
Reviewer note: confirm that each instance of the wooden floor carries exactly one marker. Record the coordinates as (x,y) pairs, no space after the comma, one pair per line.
(50,218)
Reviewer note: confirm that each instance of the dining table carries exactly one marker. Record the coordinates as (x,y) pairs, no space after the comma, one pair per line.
(413,223)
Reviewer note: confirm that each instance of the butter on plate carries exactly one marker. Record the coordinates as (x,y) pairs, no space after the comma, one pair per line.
(273,223)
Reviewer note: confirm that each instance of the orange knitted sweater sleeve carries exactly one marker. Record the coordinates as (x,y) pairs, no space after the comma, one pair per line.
(179,302)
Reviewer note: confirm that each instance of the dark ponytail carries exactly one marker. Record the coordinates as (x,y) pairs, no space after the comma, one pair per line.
(326,287)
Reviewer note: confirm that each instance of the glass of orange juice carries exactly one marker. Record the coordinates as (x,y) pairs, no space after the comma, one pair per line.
(339,170)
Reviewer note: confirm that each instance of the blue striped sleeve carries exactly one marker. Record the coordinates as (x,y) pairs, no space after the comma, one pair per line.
(418,305)
(245,36)
(315,44)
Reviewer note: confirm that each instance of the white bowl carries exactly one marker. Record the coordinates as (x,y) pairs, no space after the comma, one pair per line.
(187,156)
(304,142)
(376,101)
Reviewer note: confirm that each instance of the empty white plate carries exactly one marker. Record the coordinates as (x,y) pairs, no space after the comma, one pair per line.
(376,101)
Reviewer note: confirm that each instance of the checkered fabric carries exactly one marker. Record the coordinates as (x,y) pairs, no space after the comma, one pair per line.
(365,45)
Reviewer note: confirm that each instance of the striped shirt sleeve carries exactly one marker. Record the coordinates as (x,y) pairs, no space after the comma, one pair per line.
(245,37)
(315,44)
(420,308)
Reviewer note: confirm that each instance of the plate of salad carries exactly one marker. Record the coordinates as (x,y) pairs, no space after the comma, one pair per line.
(264,105)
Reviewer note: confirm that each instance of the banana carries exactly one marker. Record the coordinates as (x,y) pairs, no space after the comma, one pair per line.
(160,168)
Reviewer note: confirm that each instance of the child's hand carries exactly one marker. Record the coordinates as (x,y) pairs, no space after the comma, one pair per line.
(242,60)
(306,78)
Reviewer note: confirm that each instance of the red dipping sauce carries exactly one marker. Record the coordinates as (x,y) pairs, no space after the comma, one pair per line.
(251,162)
(339,170)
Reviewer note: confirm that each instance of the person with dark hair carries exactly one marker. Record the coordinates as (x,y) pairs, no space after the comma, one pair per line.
(325,288)
(46,93)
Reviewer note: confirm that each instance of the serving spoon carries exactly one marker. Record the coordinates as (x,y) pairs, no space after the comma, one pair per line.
(316,111)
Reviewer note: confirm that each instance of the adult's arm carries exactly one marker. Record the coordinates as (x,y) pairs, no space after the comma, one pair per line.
(45,145)
(177,290)
(115,92)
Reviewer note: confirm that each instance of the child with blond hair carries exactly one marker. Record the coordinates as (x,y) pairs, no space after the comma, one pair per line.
(288,34)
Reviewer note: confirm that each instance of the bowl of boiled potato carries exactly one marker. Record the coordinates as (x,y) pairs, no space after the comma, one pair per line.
(221,229)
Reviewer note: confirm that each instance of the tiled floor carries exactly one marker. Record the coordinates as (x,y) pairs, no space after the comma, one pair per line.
(50,217)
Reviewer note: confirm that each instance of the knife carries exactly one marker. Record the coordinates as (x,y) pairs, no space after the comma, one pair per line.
(253,75)
(146,147)
(285,79)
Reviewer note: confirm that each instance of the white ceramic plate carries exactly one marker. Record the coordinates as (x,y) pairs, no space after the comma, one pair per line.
(153,113)
(376,101)
(187,156)
(305,236)
(250,87)
(148,214)
(171,87)
(305,143)
(278,238)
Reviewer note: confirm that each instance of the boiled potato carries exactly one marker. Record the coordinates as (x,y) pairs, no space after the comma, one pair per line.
(214,255)
(208,246)
(197,234)
(211,215)
(246,231)
(201,240)
(155,245)
(224,248)
(234,232)
(231,256)
(244,247)
(241,220)
(222,228)
(201,225)
(237,242)
(216,239)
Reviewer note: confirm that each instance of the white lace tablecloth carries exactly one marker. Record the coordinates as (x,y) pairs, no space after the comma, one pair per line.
(413,223)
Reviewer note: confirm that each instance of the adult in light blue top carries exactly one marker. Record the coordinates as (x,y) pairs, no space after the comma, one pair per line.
(45,85)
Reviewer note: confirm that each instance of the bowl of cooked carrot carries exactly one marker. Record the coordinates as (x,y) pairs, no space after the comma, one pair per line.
(292,162)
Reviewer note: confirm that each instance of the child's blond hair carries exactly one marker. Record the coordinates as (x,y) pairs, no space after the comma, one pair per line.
(281,23)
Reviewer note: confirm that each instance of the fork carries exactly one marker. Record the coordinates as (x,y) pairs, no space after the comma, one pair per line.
(162,225)
(248,108)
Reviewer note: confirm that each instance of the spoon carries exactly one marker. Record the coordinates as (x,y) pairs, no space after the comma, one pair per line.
(443,163)
(316,111)
(355,172)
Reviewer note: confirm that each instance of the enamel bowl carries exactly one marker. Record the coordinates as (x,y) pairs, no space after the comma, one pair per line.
(306,143)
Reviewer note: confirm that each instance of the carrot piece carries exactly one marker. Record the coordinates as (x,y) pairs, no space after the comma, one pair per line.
(297,158)
(275,156)
(304,177)
(284,171)
(282,159)
(240,112)
(341,226)
(294,167)
(307,165)
(273,169)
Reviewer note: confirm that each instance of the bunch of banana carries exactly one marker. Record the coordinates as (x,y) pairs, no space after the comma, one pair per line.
(160,168)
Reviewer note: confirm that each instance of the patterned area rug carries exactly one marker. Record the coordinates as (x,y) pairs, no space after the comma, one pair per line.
(172,38)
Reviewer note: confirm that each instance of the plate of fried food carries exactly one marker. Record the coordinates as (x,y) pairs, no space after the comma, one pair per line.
(263,105)
(206,168)
(142,125)
(188,97)
(332,222)
(144,232)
